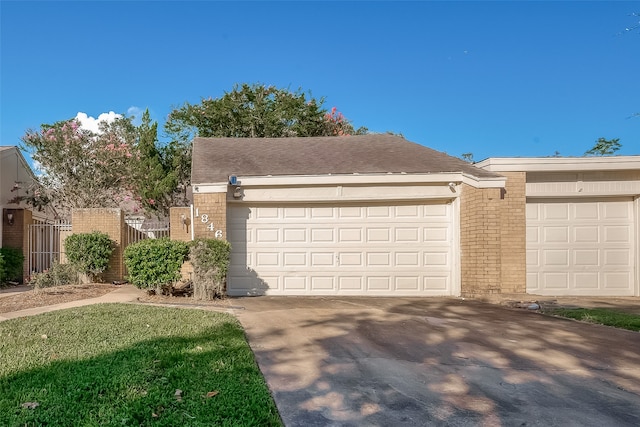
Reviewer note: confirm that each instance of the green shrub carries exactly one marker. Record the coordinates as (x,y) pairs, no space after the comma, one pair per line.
(210,260)
(89,252)
(153,263)
(13,260)
(57,275)
(2,273)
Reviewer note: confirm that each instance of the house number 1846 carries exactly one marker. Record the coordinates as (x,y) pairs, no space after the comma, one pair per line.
(205,219)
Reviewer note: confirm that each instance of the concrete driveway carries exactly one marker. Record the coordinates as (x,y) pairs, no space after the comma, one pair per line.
(336,361)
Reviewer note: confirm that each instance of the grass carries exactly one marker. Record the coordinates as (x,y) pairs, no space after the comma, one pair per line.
(601,316)
(120,364)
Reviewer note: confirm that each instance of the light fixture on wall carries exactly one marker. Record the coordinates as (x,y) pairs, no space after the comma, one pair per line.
(10,218)
(237,193)
(452,187)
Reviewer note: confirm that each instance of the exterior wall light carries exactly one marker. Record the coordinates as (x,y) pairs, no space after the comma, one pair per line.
(10,218)
(237,193)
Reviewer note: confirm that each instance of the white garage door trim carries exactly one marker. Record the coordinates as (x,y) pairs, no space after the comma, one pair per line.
(343,249)
(581,247)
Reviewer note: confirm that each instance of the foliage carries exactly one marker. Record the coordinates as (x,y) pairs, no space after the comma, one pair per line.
(120,364)
(210,260)
(79,168)
(89,252)
(600,316)
(153,263)
(121,165)
(257,111)
(604,147)
(155,181)
(11,262)
(57,275)
(467,157)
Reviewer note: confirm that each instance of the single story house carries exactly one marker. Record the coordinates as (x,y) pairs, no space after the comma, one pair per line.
(380,215)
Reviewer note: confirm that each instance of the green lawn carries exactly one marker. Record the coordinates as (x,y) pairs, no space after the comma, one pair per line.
(121,365)
(600,316)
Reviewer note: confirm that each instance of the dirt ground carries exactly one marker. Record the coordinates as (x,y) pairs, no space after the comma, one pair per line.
(23,297)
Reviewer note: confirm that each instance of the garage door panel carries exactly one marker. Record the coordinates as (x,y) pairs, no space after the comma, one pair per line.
(379,283)
(586,234)
(586,280)
(556,234)
(617,234)
(403,249)
(587,247)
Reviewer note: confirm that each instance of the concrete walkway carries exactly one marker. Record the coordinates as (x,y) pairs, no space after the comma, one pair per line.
(123,294)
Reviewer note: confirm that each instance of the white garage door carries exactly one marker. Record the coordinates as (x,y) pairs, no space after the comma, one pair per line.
(341,250)
(580,248)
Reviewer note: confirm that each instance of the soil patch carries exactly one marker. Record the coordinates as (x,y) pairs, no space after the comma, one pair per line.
(51,296)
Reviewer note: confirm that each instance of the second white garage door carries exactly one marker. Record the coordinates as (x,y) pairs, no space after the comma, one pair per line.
(341,250)
(580,247)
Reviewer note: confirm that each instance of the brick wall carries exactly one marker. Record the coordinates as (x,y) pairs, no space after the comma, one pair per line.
(111,222)
(179,230)
(492,238)
(513,234)
(212,215)
(480,235)
(17,235)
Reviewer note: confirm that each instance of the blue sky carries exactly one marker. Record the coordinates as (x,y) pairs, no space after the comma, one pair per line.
(491,78)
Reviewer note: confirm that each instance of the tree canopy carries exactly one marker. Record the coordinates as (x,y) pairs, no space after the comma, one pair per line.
(118,166)
(604,147)
(258,111)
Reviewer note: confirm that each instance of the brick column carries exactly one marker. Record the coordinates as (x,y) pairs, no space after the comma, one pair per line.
(110,222)
(211,221)
(513,234)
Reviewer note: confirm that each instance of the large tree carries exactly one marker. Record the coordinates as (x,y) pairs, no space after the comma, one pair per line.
(258,111)
(120,165)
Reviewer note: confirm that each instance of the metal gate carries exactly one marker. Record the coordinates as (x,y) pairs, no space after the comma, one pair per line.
(46,245)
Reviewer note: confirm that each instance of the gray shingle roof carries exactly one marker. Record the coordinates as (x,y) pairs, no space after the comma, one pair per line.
(214,159)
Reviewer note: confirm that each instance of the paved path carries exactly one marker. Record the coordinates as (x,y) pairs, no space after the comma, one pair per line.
(124,293)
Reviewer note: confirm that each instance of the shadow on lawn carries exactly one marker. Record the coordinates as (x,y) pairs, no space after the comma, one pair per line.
(445,362)
(137,385)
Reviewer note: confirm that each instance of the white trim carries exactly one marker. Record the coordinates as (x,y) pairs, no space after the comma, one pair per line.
(456,267)
(559,164)
(636,234)
(484,182)
(354,179)
(209,188)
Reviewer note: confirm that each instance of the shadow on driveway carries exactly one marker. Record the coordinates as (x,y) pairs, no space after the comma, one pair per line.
(439,361)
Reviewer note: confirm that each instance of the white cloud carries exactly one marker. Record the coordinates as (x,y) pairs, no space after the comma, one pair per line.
(89,123)
(136,113)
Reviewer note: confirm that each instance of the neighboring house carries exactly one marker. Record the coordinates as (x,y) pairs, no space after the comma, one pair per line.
(583,223)
(15,176)
(358,215)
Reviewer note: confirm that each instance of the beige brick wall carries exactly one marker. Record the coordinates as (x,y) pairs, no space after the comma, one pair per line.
(111,222)
(179,230)
(513,234)
(214,206)
(492,238)
(480,240)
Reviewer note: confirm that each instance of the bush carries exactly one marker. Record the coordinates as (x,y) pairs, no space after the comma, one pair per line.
(57,275)
(11,264)
(210,260)
(89,252)
(1,269)
(154,263)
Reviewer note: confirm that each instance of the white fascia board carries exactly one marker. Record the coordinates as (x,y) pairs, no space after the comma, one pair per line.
(559,164)
(355,179)
(497,182)
(210,188)
(400,178)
